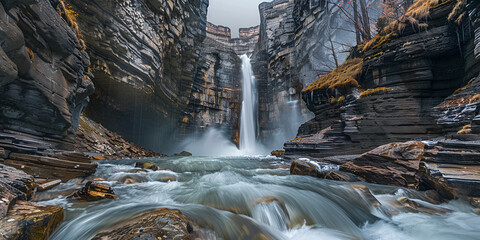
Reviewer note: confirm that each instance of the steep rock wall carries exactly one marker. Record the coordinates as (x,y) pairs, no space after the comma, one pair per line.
(44,80)
(216,95)
(144,55)
(407,76)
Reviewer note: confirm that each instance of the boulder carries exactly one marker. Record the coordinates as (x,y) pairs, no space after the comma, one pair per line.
(94,191)
(30,221)
(452,181)
(311,168)
(20,183)
(147,165)
(183,154)
(155,224)
(392,164)
(278,153)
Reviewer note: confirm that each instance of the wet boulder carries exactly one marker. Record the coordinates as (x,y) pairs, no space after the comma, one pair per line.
(155,224)
(147,165)
(278,153)
(94,191)
(306,167)
(27,220)
(392,164)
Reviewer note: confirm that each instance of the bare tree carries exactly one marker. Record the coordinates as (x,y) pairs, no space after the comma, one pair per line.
(356,19)
(365,20)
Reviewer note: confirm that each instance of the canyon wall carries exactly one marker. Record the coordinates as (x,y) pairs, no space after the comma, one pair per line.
(45,81)
(298,39)
(215,99)
(144,57)
(402,81)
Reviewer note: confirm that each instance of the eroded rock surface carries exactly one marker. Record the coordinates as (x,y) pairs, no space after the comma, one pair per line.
(144,56)
(30,221)
(156,224)
(393,164)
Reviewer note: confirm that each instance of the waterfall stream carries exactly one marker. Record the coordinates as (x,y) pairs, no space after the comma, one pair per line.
(242,197)
(248,126)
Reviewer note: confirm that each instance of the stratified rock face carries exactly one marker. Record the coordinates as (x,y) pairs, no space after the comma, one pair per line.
(216,95)
(407,76)
(144,56)
(274,67)
(244,44)
(44,81)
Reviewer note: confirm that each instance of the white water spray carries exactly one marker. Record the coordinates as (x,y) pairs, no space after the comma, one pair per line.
(248,126)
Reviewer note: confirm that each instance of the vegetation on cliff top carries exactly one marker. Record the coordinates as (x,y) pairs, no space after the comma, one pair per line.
(345,76)
(414,16)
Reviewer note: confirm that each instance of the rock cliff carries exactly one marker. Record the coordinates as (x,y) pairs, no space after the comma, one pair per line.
(45,81)
(216,95)
(401,78)
(144,56)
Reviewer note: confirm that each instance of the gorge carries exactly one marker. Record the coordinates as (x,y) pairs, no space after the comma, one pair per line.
(374,132)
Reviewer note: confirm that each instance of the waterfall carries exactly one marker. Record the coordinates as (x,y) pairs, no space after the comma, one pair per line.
(248,126)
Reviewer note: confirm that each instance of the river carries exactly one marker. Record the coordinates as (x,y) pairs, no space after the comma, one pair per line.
(224,193)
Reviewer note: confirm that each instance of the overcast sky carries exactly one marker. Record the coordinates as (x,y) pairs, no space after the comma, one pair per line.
(235,13)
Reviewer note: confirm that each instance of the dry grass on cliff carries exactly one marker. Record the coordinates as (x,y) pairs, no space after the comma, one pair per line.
(69,14)
(369,92)
(414,16)
(345,76)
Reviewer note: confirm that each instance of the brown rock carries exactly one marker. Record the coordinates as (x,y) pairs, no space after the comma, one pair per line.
(392,164)
(156,224)
(147,165)
(311,168)
(94,191)
(17,181)
(278,153)
(452,181)
(48,185)
(406,205)
(30,221)
(401,151)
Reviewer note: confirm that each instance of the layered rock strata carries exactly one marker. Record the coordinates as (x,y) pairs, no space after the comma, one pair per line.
(407,76)
(144,56)
(215,98)
(45,81)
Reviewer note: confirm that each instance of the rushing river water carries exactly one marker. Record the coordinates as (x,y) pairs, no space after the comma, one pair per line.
(230,196)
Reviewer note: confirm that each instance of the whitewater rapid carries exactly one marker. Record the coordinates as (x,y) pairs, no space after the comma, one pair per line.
(225,195)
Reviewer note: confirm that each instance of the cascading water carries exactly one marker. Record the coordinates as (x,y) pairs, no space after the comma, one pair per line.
(252,198)
(248,137)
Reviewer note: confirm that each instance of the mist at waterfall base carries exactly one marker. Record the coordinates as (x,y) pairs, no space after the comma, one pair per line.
(215,141)
(249,197)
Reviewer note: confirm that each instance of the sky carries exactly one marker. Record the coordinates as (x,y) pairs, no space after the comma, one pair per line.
(235,13)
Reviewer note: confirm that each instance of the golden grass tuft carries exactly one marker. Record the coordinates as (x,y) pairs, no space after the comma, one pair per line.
(371,91)
(465,130)
(69,14)
(345,76)
(30,53)
(456,14)
(475,98)
(466,87)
